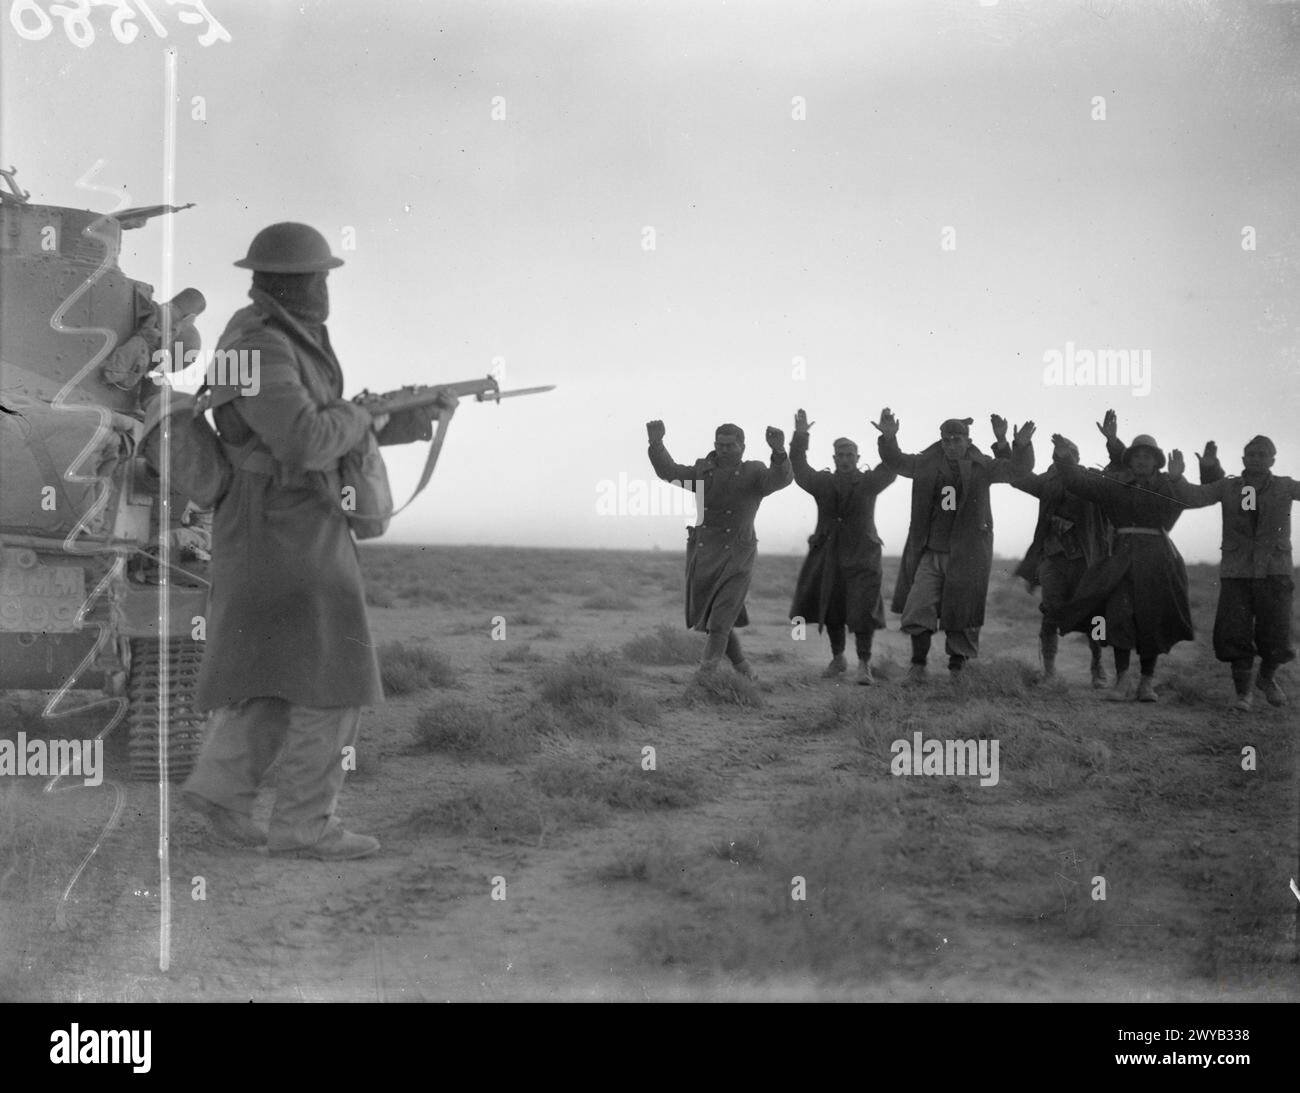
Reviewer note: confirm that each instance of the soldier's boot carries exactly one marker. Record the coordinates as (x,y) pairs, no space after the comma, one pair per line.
(337,844)
(916,674)
(956,669)
(1242,671)
(1047,646)
(745,669)
(865,678)
(228,825)
(1266,683)
(1098,671)
(837,667)
(1147,689)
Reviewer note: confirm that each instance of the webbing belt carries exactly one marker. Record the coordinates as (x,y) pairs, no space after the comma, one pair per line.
(250,458)
(1139,531)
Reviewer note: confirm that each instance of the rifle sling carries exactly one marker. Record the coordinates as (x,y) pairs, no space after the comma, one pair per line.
(444,420)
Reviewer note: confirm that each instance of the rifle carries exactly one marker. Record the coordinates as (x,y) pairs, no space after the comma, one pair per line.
(416,397)
(412,397)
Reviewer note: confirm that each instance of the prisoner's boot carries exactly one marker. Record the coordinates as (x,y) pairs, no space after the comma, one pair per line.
(865,678)
(744,668)
(837,667)
(1099,680)
(1272,691)
(1147,689)
(916,675)
(1119,689)
(709,667)
(956,667)
(1047,645)
(337,845)
(1242,670)
(715,644)
(228,825)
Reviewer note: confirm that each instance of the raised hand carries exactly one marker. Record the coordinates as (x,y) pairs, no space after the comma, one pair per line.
(888,424)
(1108,426)
(1176,464)
(775,438)
(655,430)
(999,428)
(1208,459)
(801,422)
(1023,434)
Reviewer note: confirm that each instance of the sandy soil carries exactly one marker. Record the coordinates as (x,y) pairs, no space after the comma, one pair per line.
(916,888)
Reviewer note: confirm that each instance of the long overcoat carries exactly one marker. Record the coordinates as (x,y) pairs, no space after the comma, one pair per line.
(970,558)
(839,583)
(1091,531)
(721,549)
(287,611)
(1141,589)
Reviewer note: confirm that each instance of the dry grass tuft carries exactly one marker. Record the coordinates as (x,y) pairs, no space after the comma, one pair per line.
(472,732)
(406,669)
(667,645)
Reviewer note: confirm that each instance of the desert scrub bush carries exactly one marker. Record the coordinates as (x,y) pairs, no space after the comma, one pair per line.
(846,710)
(589,690)
(653,860)
(519,653)
(627,786)
(999,677)
(406,669)
(667,645)
(846,925)
(609,600)
(509,812)
(723,688)
(473,732)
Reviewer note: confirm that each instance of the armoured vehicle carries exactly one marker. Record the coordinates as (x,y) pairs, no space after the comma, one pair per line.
(84,600)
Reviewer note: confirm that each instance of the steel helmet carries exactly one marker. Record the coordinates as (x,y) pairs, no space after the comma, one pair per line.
(289,248)
(1145,441)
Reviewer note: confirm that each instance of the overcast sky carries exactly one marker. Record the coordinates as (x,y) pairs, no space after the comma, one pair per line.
(800,165)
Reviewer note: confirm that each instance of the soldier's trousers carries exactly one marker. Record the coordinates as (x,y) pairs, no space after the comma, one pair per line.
(921,611)
(863,640)
(1254,619)
(1059,577)
(245,739)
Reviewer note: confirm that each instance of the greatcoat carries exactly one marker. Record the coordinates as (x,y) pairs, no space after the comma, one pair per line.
(1087,534)
(721,549)
(286,610)
(1141,589)
(839,583)
(966,585)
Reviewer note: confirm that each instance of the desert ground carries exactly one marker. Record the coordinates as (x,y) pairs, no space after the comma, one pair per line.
(510,761)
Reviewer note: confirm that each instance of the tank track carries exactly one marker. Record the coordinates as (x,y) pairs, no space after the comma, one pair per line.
(185,725)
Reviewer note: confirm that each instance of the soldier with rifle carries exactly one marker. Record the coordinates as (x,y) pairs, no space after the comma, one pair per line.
(289,661)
